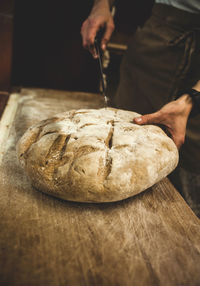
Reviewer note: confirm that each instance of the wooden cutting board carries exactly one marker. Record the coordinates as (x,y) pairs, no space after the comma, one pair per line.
(150,239)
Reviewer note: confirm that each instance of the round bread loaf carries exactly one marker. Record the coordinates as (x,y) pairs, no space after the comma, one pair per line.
(97,155)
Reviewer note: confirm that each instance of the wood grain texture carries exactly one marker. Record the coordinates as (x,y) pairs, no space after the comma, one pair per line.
(149,239)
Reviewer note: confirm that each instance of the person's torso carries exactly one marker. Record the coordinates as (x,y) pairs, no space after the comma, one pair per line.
(192,6)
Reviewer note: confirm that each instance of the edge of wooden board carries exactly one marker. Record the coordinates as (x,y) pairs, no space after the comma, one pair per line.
(6,121)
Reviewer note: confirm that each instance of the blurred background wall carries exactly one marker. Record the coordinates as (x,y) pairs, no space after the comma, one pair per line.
(6,33)
(40,42)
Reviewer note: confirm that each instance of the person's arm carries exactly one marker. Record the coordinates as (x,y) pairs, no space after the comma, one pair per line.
(197,86)
(100,17)
(174,115)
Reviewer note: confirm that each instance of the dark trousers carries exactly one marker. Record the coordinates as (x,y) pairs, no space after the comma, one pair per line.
(162,58)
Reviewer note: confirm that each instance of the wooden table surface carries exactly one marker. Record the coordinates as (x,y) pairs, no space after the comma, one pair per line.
(150,239)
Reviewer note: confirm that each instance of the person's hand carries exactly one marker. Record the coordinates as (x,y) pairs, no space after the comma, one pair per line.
(100,17)
(173,115)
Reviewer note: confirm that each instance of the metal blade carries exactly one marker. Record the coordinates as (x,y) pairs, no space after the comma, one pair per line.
(101,72)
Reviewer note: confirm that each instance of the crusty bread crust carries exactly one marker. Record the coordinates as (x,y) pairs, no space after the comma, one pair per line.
(95,155)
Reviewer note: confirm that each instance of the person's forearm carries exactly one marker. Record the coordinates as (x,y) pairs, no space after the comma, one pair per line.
(186,99)
(111,2)
(104,2)
(197,86)
(100,5)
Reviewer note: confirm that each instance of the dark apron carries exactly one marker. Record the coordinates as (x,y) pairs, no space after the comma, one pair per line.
(162,58)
